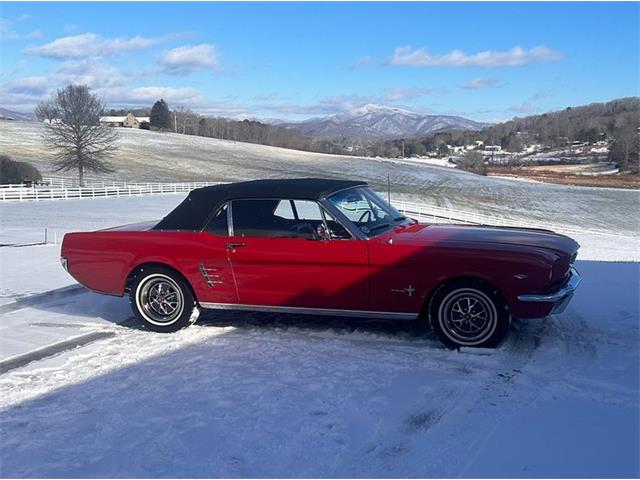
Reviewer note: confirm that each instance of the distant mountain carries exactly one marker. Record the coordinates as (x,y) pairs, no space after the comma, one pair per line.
(6,114)
(379,122)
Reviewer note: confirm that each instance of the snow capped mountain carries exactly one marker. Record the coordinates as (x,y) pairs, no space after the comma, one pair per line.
(379,122)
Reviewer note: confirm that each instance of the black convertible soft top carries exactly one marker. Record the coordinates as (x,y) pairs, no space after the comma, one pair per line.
(192,213)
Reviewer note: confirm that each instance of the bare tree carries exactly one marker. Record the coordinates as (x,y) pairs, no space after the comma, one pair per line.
(46,111)
(76,136)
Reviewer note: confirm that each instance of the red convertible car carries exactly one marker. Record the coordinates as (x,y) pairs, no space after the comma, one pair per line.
(329,247)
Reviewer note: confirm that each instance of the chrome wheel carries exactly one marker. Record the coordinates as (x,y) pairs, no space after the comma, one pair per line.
(467,316)
(160,299)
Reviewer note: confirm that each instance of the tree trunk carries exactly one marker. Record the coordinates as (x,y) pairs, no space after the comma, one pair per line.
(80,175)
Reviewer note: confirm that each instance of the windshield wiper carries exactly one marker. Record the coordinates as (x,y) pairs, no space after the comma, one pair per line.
(400,218)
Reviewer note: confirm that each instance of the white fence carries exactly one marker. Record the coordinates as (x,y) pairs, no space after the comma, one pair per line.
(63,189)
(93,190)
(433,214)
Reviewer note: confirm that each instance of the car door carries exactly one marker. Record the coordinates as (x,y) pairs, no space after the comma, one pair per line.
(215,282)
(278,260)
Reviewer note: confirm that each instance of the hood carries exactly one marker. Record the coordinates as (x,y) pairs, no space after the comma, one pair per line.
(470,235)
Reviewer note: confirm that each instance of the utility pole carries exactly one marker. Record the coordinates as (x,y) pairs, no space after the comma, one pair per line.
(175,122)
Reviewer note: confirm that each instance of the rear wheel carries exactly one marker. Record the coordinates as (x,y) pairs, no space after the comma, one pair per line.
(469,314)
(162,300)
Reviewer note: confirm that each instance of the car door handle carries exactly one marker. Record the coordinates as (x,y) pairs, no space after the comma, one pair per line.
(232,245)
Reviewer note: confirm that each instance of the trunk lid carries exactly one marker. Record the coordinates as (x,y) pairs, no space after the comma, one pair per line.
(132,227)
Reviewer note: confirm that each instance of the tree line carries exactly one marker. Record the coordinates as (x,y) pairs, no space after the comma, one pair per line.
(616,122)
(185,121)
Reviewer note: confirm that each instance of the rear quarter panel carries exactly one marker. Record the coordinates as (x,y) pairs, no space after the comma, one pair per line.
(102,260)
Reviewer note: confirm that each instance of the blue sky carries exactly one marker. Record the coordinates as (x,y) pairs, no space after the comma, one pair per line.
(485,61)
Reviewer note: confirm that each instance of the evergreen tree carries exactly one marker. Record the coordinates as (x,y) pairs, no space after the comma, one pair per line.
(160,117)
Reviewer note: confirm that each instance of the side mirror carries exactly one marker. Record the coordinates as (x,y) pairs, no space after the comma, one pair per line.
(322,232)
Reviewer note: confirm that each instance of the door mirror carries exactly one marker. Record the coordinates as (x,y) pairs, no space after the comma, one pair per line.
(322,232)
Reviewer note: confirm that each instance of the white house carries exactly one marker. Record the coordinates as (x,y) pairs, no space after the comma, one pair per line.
(128,121)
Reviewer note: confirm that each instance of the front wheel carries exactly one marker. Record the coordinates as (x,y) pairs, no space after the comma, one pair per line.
(469,314)
(162,300)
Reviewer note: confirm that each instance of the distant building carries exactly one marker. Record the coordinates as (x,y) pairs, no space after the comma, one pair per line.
(492,148)
(456,149)
(128,121)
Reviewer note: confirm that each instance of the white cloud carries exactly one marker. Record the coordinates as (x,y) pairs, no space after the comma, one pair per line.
(94,74)
(363,62)
(7,33)
(28,86)
(517,56)
(479,83)
(90,45)
(189,58)
(525,107)
(148,95)
(22,95)
(542,95)
(399,94)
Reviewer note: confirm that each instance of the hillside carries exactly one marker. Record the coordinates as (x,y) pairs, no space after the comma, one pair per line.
(6,114)
(588,124)
(151,156)
(380,122)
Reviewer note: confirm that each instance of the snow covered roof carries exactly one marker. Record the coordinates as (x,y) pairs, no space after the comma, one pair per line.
(112,119)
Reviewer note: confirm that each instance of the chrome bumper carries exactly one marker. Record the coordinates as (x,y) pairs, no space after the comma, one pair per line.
(561,298)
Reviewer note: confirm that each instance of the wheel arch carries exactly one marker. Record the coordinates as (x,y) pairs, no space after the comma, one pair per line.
(138,269)
(458,279)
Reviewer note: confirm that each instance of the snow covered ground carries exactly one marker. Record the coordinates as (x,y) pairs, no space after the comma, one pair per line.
(264,395)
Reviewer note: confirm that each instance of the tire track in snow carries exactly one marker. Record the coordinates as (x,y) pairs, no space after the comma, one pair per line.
(41,298)
(20,361)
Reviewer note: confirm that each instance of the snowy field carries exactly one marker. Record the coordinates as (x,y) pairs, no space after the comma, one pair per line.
(264,395)
(152,156)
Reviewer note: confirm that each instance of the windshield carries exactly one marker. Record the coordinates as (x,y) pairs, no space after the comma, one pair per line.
(367,210)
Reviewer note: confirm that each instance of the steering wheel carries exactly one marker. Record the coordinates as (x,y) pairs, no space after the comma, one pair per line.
(365,214)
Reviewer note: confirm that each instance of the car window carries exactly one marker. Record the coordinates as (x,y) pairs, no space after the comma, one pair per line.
(307,210)
(285,209)
(276,218)
(336,229)
(367,210)
(218,224)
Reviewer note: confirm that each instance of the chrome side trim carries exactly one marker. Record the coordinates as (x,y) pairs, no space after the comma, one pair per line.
(334,312)
(210,276)
(568,289)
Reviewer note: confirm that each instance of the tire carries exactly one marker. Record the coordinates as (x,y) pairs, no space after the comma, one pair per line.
(469,313)
(162,300)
